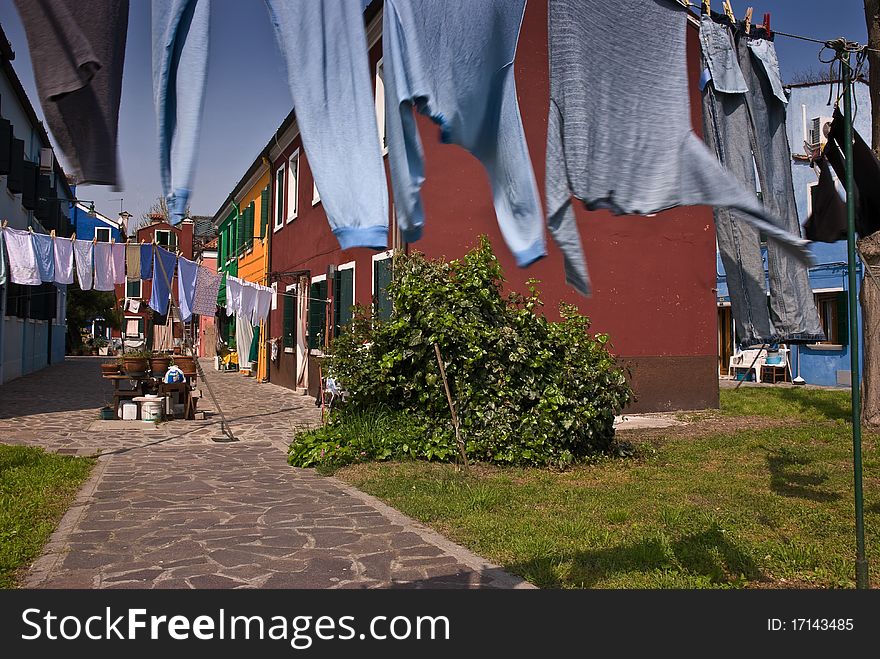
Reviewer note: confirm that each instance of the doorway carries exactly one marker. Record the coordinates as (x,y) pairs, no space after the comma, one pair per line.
(725,338)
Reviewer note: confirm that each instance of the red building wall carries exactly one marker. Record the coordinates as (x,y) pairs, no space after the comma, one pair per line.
(653,278)
(146,234)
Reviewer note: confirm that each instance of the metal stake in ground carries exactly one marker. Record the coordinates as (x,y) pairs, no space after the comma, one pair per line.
(843,53)
(451,406)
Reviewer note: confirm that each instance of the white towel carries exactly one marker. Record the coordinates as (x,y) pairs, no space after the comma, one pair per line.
(264,303)
(248,300)
(233,295)
(23,268)
(63,261)
(83,251)
(117,252)
(103,264)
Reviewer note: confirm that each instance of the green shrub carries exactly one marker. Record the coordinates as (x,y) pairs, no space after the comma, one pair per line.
(527,390)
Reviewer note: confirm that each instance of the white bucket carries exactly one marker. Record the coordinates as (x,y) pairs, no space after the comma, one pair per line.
(151,410)
(128,411)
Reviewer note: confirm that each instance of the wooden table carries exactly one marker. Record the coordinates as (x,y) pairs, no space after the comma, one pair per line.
(142,382)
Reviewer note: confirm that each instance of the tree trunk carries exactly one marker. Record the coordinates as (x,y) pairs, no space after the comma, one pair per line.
(870,300)
(870,245)
(872,18)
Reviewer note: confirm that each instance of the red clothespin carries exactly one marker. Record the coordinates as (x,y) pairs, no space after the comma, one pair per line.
(766,25)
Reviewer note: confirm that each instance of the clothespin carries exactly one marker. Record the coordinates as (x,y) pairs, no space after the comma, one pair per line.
(52,233)
(112,240)
(5,223)
(73,236)
(706,7)
(728,10)
(30,228)
(95,240)
(748,19)
(767,24)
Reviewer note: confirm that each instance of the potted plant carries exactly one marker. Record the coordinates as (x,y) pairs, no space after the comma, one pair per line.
(137,362)
(159,364)
(186,363)
(110,367)
(102,345)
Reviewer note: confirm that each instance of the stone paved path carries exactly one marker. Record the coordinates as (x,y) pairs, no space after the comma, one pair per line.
(166,507)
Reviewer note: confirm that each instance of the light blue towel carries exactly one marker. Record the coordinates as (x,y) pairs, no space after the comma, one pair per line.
(453,61)
(186,286)
(44,247)
(163,269)
(180,70)
(329,77)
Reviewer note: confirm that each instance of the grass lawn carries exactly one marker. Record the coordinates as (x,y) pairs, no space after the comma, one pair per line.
(757,495)
(36,489)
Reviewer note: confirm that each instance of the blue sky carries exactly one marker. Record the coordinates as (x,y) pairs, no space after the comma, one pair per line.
(247,95)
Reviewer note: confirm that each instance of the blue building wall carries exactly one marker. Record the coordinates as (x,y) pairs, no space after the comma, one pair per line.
(817,364)
(84,225)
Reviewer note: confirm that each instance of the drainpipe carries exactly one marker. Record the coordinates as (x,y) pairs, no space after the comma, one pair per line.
(267,244)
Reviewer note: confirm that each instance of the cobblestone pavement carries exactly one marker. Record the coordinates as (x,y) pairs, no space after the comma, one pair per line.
(167,507)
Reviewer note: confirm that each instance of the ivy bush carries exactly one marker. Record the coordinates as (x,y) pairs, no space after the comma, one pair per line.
(528,391)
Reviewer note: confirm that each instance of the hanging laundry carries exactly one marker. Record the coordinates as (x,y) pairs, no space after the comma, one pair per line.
(103,264)
(244,335)
(263,304)
(453,62)
(233,295)
(117,255)
(82,249)
(207,287)
(605,148)
(44,249)
(133,261)
(744,124)
(23,267)
(827,222)
(866,174)
(146,261)
(63,261)
(325,49)
(163,274)
(248,300)
(187,272)
(793,312)
(77,49)
(180,70)
(2,260)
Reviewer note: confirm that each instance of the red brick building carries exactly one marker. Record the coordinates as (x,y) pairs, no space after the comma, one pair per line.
(653,278)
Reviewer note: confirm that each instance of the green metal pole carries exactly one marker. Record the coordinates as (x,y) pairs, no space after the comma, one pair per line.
(861,561)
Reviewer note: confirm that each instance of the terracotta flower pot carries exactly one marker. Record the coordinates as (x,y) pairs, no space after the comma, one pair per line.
(186,363)
(109,369)
(136,365)
(159,364)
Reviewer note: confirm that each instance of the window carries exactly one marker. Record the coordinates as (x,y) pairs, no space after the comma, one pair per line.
(288,332)
(381,278)
(316,196)
(380,106)
(134,327)
(167,239)
(134,289)
(343,296)
(811,191)
(318,312)
(293,186)
(833,310)
(279,198)
(102,234)
(264,212)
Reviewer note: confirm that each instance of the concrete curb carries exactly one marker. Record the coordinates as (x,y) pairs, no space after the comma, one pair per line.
(56,549)
(499,577)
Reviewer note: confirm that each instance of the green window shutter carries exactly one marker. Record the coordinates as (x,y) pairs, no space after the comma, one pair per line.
(251,222)
(381,279)
(842,318)
(240,232)
(289,328)
(264,211)
(343,299)
(317,311)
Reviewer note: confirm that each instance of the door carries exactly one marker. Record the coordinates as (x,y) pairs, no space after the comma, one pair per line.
(725,339)
(209,341)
